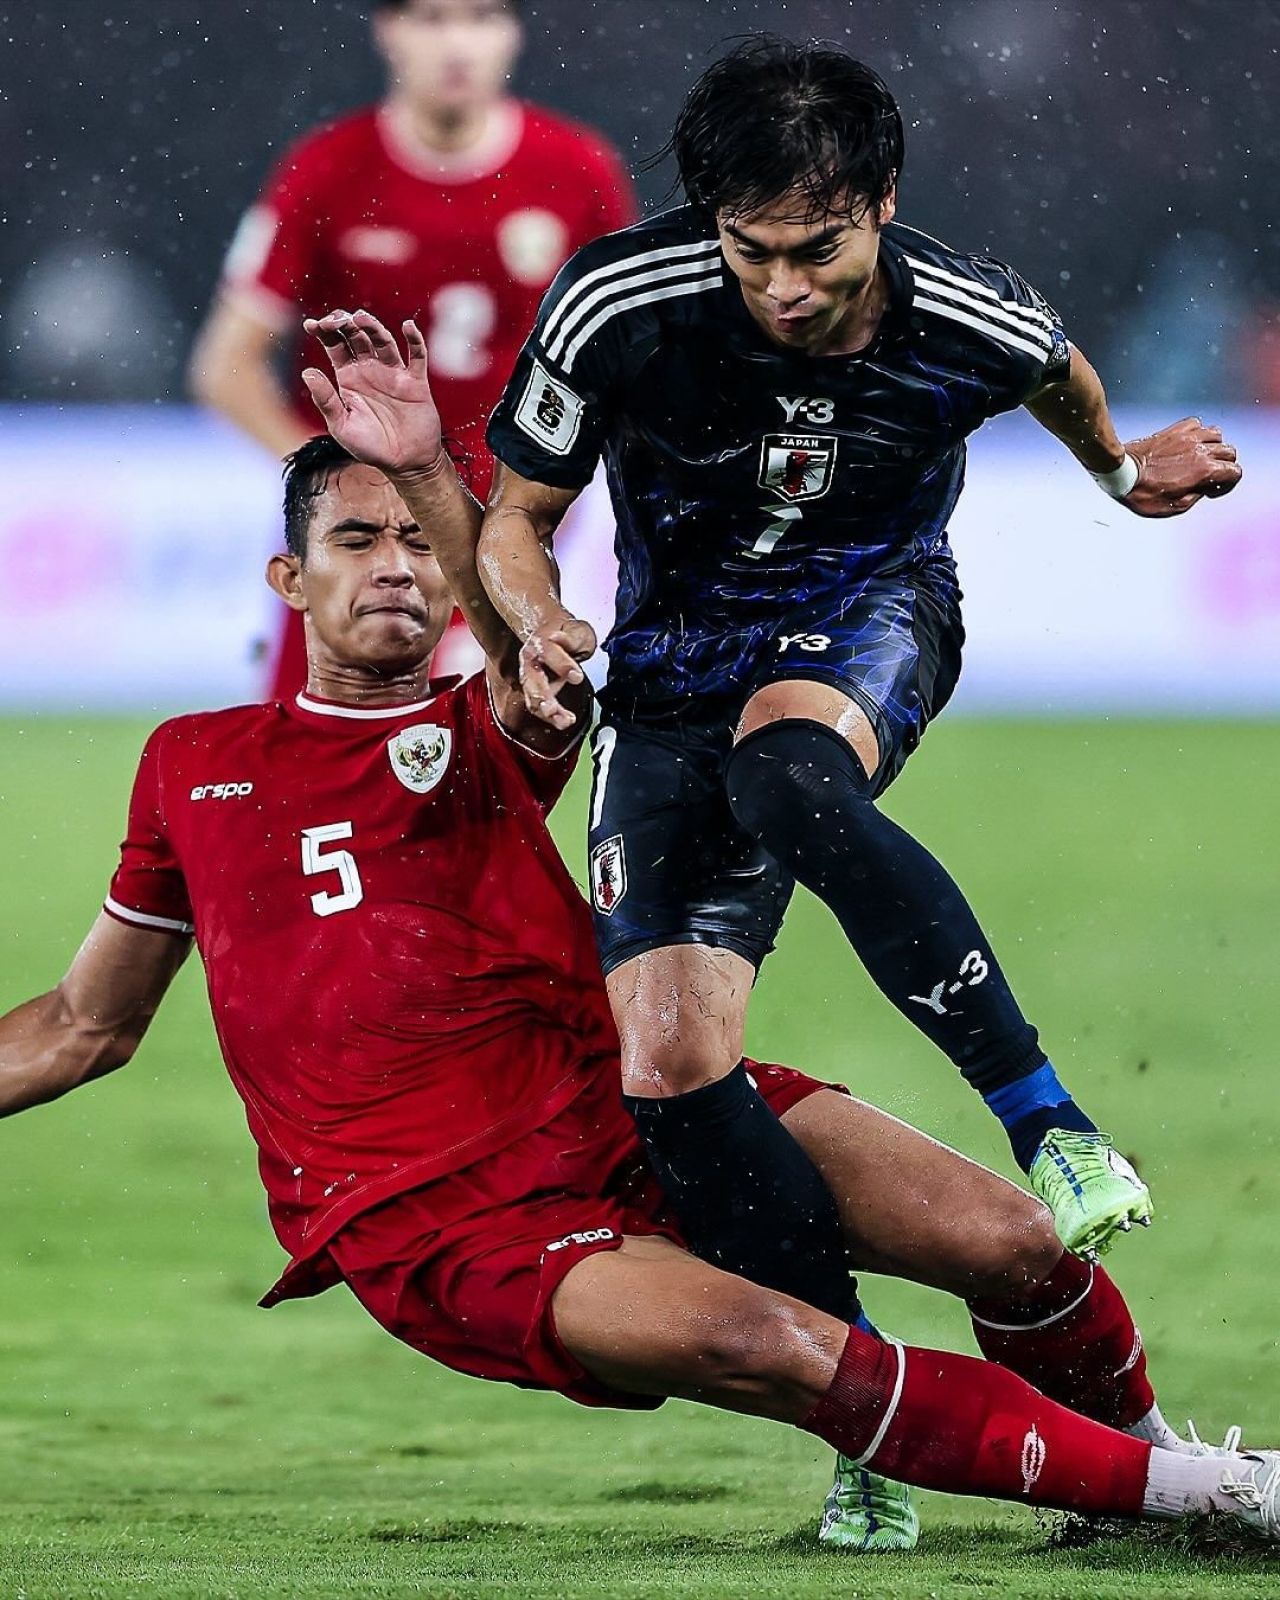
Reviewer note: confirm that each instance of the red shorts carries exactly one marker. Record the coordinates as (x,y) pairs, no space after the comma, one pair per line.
(464,1269)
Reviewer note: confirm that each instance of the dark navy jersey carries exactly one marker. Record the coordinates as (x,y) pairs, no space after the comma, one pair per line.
(747,479)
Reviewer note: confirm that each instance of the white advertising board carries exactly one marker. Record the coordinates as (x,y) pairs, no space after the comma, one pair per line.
(132,543)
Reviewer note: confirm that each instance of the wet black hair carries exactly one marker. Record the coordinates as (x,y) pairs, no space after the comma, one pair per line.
(774,117)
(306,477)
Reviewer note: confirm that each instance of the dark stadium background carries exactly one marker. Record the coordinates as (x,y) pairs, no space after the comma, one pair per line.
(1126,156)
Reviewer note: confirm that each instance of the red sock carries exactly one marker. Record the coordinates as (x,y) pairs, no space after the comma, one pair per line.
(950,1422)
(1074,1340)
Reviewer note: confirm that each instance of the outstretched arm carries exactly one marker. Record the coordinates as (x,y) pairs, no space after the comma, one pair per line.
(378,404)
(94,1020)
(1159,476)
(517,569)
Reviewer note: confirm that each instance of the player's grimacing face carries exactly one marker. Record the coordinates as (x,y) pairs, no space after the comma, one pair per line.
(375,595)
(450,55)
(801,270)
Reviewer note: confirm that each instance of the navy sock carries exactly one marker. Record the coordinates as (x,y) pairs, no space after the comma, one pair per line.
(747,1197)
(1031,1106)
(798,787)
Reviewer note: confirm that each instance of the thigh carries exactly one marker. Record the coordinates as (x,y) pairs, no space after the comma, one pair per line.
(892,647)
(913,1208)
(651,1319)
(681,1016)
(669,863)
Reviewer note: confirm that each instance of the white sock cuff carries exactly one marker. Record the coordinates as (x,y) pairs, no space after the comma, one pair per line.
(1030,1327)
(1177,1484)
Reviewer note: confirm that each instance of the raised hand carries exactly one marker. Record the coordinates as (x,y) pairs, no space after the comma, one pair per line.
(549,663)
(1178,466)
(378,404)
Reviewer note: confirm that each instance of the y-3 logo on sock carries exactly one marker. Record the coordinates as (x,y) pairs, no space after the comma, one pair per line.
(973,970)
(1033,1459)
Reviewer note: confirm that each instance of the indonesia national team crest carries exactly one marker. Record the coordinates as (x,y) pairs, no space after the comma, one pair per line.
(798,466)
(608,875)
(419,755)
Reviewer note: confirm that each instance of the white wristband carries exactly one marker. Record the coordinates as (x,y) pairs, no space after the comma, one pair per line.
(1120,480)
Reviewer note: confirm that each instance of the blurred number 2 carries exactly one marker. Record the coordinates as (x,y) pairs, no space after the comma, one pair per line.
(463,316)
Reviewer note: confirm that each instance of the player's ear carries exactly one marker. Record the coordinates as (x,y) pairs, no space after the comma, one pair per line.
(284,574)
(888,207)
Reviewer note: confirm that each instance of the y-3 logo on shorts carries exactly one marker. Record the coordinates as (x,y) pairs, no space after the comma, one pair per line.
(814,643)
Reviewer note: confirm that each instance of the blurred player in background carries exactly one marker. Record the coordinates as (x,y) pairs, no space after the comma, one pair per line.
(439,1127)
(449,202)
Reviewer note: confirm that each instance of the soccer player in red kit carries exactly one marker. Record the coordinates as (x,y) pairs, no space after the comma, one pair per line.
(402,978)
(449,202)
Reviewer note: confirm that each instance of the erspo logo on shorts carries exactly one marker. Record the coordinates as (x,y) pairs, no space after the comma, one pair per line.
(588,1236)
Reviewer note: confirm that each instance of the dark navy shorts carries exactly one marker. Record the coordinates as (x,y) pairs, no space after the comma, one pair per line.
(669,863)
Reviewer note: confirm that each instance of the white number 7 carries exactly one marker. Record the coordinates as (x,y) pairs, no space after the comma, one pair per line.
(316,859)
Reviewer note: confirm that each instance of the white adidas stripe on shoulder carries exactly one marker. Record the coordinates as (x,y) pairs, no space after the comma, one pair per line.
(615,289)
(643,298)
(637,264)
(989,313)
(984,291)
(983,325)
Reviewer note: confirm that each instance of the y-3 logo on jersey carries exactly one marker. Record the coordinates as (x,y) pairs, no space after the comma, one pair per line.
(806,408)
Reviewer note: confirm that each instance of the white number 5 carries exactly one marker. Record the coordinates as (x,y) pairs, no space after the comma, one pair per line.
(316,859)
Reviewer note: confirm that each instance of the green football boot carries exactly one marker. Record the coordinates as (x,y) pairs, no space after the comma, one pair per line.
(1093,1192)
(865,1512)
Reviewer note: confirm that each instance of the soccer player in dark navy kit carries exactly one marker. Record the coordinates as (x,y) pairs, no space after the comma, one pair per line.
(781,379)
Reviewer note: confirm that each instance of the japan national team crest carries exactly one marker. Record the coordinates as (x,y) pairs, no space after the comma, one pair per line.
(608,875)
(419,755)
(798,466)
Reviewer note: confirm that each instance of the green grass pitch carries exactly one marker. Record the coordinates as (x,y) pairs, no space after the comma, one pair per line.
(160,1436)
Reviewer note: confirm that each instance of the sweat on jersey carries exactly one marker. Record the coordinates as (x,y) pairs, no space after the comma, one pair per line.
(401,971)
(747,479)
(466,245)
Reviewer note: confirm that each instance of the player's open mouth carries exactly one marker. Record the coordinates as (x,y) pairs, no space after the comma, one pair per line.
(414,612)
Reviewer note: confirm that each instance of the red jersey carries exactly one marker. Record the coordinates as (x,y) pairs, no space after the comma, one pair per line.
(353,218)
(401,971)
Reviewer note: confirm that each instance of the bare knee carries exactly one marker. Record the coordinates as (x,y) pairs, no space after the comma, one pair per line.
(680,1014)
(1015,1248)
(662,1063)
(768,1355)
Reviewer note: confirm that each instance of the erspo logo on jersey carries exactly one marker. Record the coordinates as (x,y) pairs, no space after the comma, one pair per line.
(221,791)
(549,411)
(797,466)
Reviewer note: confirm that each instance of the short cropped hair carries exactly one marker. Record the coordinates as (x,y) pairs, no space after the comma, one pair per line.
(306,477)
(774,117)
